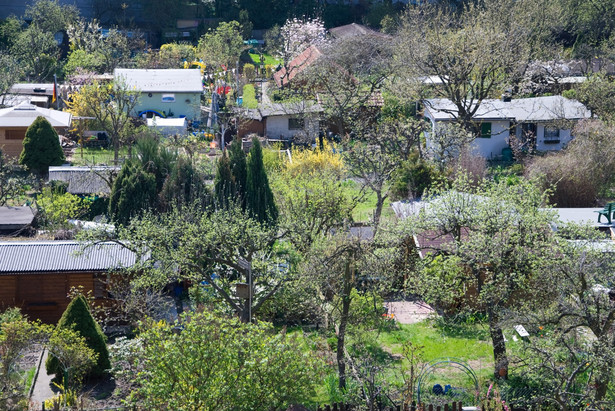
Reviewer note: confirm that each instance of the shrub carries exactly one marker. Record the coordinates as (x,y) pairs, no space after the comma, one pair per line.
(41,147)
(413,177)
(77,316)
(249,71)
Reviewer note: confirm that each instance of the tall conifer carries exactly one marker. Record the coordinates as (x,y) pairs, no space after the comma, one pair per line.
(259,197)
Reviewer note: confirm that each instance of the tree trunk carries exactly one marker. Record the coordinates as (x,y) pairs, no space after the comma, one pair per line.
(341,334)
(116,149)
(378,212)
(500,358)
(602,384)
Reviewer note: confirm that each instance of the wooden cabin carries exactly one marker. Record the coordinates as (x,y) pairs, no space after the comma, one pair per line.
(37,276)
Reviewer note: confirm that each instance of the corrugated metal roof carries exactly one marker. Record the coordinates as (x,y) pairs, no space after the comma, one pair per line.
(53,256)
(12,218)
(84,180)
(162,80)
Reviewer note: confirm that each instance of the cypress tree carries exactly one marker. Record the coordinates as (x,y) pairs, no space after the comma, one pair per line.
(259,197)
(41,147)
(237,160)
(223,183)
(78,317)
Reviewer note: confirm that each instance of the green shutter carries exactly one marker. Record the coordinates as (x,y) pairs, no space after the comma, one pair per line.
(485,130)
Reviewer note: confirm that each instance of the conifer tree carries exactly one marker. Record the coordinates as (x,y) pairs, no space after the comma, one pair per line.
(133,191)
(77,316)
(259,197)
(41,147)
(237,159)
(223,183)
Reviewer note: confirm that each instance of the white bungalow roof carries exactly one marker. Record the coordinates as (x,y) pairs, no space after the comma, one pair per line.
(527,109)
(24,114)
(166,122)
(162,80)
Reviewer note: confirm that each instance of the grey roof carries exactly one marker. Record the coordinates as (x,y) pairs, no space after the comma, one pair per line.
(43,89)
(282,109)
(24,115)
(83,180)
(162,80)
(58,256)
(14,218)
(526,109)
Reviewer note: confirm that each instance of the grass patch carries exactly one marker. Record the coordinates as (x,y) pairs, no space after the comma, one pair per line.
(249,97)
(269,59)
(28,379)
(364,210)
(88,156)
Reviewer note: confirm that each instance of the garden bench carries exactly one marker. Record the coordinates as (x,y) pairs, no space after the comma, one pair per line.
(607,212)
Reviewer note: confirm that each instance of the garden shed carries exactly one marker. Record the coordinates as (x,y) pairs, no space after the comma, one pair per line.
(38,275)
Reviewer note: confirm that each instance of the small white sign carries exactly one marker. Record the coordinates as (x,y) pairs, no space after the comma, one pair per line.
(521,331)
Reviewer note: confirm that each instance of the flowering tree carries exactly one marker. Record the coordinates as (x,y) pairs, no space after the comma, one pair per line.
(298,34)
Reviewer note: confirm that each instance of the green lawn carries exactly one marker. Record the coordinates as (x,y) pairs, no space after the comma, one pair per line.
(88,156)
(249,97)
(364,210)
(269,59)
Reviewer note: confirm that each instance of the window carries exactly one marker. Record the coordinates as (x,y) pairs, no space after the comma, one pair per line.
(295,124)
(485,130)
(15,134)
(551,135)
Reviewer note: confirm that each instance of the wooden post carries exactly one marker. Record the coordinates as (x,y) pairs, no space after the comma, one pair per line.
(335,406)
(430,407)
(446,407)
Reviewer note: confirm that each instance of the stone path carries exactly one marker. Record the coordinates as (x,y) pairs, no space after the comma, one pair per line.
(42,386)
(409,312)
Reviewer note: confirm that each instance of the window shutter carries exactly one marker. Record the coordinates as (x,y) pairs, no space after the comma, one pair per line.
(485,130)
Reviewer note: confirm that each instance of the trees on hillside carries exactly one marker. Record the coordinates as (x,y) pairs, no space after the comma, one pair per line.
(41,147)
(222,46)
(482,249)
(453,46)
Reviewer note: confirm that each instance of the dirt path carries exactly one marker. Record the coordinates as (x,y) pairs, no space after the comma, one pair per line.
(409,312)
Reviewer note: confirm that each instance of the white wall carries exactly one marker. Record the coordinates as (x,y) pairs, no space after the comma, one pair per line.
(277,127)
(492,147)
(564,138)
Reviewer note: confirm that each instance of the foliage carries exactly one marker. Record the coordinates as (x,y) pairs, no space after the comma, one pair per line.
(309,191)
(570,355)
(17,335)
(319,162)
(598,94)
(497,236)
(41,147)
(78,319)
(13,181)
(111,105)
(260,203)
(55,209)
(197,245)
(35,46)
(581,173)
(413,178)
(242,366)
(70,356)
(223,46)
(249,72)
(134,191)
(249,96)
(436,41)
